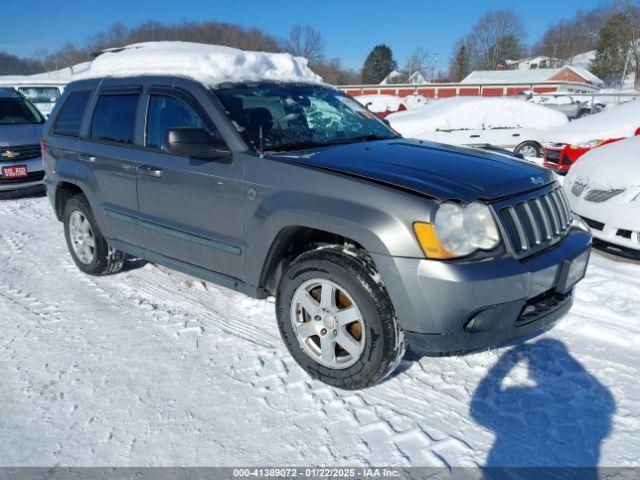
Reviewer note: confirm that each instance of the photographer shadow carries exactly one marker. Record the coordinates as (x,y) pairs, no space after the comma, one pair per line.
(559,419)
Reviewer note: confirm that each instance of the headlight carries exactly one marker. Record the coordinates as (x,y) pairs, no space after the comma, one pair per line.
(577,188)
(458,231)
(587,144)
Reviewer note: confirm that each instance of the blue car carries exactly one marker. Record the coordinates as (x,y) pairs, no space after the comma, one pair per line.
(21,170)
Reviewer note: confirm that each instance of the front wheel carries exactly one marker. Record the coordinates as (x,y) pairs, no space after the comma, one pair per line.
(337,322)
(86,244)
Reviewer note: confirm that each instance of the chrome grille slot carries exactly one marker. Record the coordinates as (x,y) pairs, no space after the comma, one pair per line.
(535,222)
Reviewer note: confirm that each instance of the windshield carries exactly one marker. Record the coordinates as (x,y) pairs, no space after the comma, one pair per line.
(40,94)
(286,116)
(18,111)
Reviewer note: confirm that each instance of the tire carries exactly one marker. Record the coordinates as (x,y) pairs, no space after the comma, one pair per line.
(529,145)
(379,335)
(102,260)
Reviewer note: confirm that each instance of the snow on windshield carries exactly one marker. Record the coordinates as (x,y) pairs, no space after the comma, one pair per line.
(475,114)
(208,64)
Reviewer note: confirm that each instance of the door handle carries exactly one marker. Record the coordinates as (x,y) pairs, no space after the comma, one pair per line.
(85,157)
(150,171)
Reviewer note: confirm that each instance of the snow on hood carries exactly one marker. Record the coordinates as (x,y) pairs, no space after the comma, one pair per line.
(208,64)
(612,166)
(618,122)
(474,114)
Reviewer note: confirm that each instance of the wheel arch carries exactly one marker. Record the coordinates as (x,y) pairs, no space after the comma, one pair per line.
(63,193)
(292,241)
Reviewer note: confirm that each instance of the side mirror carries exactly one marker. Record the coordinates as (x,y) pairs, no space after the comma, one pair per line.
(194,142)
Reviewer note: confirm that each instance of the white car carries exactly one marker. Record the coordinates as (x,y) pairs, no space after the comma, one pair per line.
(501,122)
(43,95)
(603,188)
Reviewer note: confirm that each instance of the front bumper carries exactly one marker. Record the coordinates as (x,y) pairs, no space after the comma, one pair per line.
(511,324)
(436,301)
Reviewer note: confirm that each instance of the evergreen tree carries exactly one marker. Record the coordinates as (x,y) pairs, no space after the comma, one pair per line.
(378,65)
(460,65)
(613,48)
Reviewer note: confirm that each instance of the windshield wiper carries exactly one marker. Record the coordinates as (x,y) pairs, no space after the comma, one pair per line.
(298,145)
(365,138)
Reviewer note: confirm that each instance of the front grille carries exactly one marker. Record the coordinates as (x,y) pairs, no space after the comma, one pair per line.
(31,177)
(599,196)
(537,222)
(552,156)
(18,153)
(593,223)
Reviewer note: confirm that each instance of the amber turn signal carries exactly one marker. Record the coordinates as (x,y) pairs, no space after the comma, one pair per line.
(428,240)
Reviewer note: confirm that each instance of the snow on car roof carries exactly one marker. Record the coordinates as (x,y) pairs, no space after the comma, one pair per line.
(208,64)
(473,114)
(618,122)
(612,166)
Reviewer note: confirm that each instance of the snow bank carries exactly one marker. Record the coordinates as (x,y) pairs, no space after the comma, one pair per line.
(622,121)
(208,64)
(381,103)
(612,166)
(475,114)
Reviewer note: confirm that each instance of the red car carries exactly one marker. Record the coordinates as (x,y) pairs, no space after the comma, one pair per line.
(570,142)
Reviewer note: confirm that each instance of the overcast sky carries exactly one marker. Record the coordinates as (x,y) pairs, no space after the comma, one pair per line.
(350,27)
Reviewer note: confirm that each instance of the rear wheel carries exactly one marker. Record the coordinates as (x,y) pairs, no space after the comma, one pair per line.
(337,322)
(529,149)
(86,244)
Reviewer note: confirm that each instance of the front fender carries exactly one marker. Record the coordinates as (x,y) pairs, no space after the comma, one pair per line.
(376,230)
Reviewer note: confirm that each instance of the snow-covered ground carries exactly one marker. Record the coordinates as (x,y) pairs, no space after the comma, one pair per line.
(149,367)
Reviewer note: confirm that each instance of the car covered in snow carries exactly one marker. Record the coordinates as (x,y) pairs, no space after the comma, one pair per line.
(572,107)
(567,144)
(604,189)
(382,105)
(501,122)
(21,169)
(245,169)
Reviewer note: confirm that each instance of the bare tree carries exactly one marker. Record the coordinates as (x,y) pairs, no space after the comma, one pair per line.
(305,41)
(496,37)
(423,61)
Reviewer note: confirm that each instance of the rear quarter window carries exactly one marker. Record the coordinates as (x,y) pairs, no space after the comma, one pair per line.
(114,118)
(71,113)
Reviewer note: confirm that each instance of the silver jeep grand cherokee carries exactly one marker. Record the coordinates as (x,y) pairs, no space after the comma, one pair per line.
(369,241)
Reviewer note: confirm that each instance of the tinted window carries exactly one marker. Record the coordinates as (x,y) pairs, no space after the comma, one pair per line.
(70,116)
(114,118)
(18,111)
(165,113)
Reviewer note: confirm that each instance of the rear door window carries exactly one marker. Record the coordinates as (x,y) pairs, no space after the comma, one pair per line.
(114,118)
(70,117)
(166,112)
